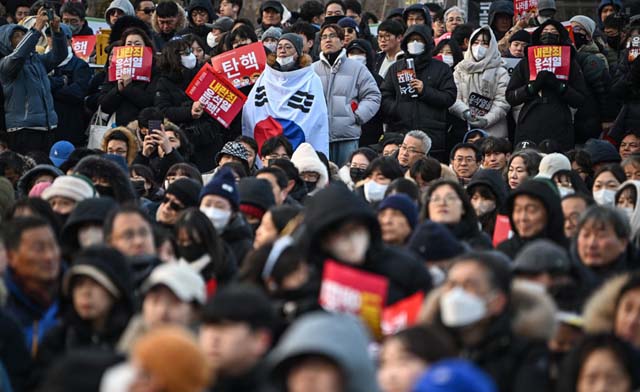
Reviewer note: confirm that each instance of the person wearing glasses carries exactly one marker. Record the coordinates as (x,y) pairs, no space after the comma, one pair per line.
(118,9)
(144,10)
(351,29)
(454,17)
(465,160)
(482,84)
(181,194)
(200,13)
(352,94)
(390,34)
(416,145)
(73,15)
(416,15)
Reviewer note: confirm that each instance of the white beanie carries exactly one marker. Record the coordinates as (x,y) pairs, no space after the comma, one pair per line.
(306,159)
(553,163)
(72,187)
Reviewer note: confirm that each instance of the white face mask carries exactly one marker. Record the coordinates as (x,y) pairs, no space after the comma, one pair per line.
(189,62)
(447,59)
(478,51)
(351,248)
(90,235)
(415,47)
(483,206)
(604,197)
(212,40)
(628,211)
(361,58)
(271,46)
(459,308)
(218,217)
(374,192)
(285,61)
(565,191)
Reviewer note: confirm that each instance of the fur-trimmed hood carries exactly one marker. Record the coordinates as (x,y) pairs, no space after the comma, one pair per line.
(600,309)
(532,312)
(180,25)
(303,61)
(132,144)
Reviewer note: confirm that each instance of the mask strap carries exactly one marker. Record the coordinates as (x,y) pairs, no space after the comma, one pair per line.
(276,251)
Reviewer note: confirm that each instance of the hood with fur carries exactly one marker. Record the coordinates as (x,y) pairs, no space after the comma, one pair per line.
(180,25)
(305,158)
(600,309)
(132,144)
(532,312)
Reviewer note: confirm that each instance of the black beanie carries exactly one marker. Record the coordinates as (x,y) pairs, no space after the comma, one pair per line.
(186,190)
(521,35)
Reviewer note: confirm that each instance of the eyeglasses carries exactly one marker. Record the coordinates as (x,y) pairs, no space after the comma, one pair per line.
(455,19)
(325,37)
(201,13)
(385,37)
(349,30)
(448,199)
(173,205)
(460,159)
(411,150)
(148,11)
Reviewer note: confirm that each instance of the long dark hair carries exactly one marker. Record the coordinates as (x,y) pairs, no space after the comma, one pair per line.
(201,231)
(169,61)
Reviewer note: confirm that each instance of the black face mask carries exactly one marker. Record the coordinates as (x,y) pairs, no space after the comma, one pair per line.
(311,185)
(191,252)
(254,227)
(580,40)
(549,38)
(356,174)
(614,42)
(104,190)
(332,19)
(62,218)
(138,186)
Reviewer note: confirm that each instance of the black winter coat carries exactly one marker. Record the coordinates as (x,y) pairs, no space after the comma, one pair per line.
(428,112)
(239,236)
(69,86)
(547,114)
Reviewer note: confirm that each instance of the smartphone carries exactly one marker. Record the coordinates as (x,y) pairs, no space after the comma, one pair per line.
(155,124)
(50,14)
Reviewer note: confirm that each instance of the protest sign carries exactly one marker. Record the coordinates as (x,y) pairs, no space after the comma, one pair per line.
(401,315)
(524,7)
(241,66)
(553,58)
(634,48)
(134,61)
(502,230)
(479,105)
(83,46)
(219,98)
(348,290)
(510,63)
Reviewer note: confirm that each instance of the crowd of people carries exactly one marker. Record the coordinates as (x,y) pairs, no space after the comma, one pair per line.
(426,161)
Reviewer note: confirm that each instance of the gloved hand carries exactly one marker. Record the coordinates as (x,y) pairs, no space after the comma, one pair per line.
(479,122)
(466,115)
(535,86)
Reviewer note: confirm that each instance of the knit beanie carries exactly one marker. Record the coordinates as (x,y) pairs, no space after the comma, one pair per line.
(256,196)
(223,184)
(349,22)
(521,35)
(404,204)
(74,187)
(7,195)
(172,357)
(38,188)
(272,32)
(434,242)
(295,39)
(186,190)
(587,23)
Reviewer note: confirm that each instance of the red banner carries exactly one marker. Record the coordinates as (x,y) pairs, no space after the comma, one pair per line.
(218,97)
(634,48)
(501,230)
(552,58)
(348,290)
(523,7)
(134,61)
(241,66)
(83,46)
(402,314)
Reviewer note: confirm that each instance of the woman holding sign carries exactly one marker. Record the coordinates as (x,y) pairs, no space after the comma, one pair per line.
(549,83)
(482,84)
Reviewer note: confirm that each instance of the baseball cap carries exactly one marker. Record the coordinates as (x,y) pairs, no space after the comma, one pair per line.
(553,163)
(181,279)
(60,152)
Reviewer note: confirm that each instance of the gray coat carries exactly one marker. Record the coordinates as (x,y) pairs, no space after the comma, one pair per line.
(346,82)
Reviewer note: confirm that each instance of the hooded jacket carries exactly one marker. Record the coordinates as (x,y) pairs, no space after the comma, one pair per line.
(132,143)
(499,7)
(617,4)
(486,77)
(238,235)
(544,191)
(26,181)
(339,338)
(513,351)
(428,112)
(97,167)
(493,180)
(123,5)
(181,23)
(634,219)
(203,30)
(28,102)
(547,114)
(305,158)
(335,205)
(347,84)
(600,310)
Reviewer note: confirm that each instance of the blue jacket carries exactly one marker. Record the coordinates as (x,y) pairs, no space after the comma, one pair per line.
(34,319)
(23,74)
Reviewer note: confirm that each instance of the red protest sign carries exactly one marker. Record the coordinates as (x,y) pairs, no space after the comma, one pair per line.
(83,45)
(241,66)
(552,58)
(523,7)
(402,314)
(134,61)
(218,97)
(348,290)
(634,48)
(502,229)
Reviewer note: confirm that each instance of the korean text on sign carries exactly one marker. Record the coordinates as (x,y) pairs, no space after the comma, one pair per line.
(553,58)
(241,66)
(522,7)
(133,61)
(83,45)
